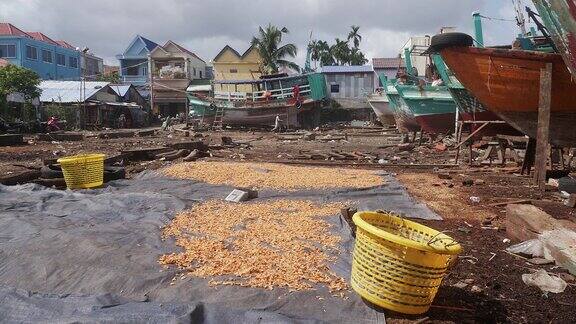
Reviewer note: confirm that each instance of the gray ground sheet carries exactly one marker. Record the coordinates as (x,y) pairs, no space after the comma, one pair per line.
(92,256)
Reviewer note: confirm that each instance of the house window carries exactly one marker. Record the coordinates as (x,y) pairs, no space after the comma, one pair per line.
(132,70)
(233,71)
(31,52)
(47,56)
(8,51)
(334,88)
(144,70)
(61,59)
(73,62)
(200,74)
(194,69)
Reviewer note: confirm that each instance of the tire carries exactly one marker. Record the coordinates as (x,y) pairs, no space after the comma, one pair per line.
(441,41)
(51,172)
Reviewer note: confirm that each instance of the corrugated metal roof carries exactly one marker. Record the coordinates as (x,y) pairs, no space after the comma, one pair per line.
(388,62)
(347,69)
(68,91)
(193,88)
(120,89)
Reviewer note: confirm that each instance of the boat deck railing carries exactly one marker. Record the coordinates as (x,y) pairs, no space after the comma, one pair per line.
(274,94)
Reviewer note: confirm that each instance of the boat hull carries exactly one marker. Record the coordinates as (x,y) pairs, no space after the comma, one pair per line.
(433,107)
(437,123)
(403,117)
(266,115)
(259,114)
(507,82)
(381,107)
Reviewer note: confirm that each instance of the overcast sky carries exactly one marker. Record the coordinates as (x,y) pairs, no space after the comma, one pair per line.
(205,26)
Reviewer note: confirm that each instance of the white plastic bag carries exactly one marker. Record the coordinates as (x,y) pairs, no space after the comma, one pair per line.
(545,282)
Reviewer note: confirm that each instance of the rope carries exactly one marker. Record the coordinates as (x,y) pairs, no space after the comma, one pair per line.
(498,19)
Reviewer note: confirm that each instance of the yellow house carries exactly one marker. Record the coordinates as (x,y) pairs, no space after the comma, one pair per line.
(230,65)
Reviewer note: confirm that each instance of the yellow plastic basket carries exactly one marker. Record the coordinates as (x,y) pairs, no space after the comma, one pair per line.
(399,264)
(83,171)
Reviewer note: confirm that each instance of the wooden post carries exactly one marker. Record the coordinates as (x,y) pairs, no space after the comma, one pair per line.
(151,78)
(543,126)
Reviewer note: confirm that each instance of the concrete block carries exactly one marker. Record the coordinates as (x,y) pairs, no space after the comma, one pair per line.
(237,196)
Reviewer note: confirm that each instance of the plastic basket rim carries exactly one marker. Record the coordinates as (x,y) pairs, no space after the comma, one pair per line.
(360,222)
(74,158)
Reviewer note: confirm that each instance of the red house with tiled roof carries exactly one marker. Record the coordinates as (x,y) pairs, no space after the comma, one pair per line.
(50,59)
(43,38)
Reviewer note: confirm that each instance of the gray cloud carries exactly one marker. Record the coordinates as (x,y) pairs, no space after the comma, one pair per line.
(107,26)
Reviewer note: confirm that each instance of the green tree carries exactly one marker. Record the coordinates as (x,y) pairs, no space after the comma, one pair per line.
(111,77)
(273,54)
(340,52)
(354,36)
(17,79)
(356,57)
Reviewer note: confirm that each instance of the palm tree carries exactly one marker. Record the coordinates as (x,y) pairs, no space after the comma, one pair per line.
(273,55)
(314,48)
(325,56)
(341,52)
(357,57)
(354,36)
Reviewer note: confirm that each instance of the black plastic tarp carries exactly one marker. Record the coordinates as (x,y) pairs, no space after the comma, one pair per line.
(92,256)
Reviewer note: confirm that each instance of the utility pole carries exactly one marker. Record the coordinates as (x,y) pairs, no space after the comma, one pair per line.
(151,74)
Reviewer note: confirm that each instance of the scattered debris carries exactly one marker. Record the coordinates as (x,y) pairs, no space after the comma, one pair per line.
(474,199)
(440,147)
(467,182)
(571,201)
(545,282)
(476,289)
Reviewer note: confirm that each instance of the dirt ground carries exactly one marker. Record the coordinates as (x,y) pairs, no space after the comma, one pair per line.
(495,292)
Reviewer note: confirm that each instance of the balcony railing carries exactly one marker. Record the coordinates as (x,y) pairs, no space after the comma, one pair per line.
(134,78)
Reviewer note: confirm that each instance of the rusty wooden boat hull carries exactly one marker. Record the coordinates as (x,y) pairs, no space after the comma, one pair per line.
(507,83)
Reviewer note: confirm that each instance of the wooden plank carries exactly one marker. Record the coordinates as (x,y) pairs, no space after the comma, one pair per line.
(11,139)
(22,177)
(543,132)
(526,222)
(510,202)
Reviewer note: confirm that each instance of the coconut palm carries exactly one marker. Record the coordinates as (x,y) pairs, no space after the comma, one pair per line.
(354,36)
(341,52)
(356,57)
(273,54)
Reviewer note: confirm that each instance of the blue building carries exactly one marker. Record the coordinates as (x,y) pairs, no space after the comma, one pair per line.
(134,61)
(36,51)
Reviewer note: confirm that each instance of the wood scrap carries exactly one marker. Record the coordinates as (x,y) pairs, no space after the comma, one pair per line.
(510,202)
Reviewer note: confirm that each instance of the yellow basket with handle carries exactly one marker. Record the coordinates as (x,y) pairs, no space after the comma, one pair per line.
(83,171)
(399,264)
